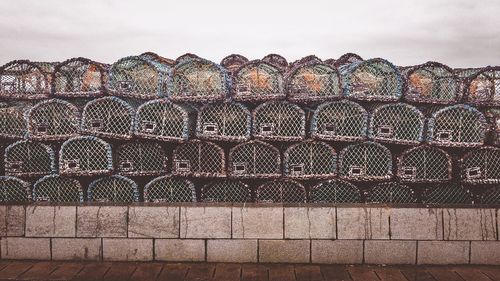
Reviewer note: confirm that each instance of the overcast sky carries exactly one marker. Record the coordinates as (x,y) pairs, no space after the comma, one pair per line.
(456,32)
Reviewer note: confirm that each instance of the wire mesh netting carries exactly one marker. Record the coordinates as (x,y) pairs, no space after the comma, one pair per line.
(113,189)
(276,60)
(79,77)
(335,191)
(14,190)
(29,159)
(311,59)
(157,58)
(12,122)
(310,159)
(224,122)
(55,188)
(186,57)
(227,191)
(365,161)
(53,120)
(390,192)
(254,159)
(279,121)
(481,166)
(169,189)
(424,164)
(22,79)
(141,159)
(281,191)
(493,117)
(313,82)
(232,62)
(199,159)
(491,196)
(85,156)
(483,88)
(448,193)
(347,59)
(258,81)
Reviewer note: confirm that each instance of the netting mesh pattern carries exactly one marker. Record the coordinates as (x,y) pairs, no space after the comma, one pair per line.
(311,59)
(199,159)
(79,77)
(254,159)
(483,88)
(169,189)
(347,59)
(279,121)
(85,156)
(397,123)
(224,122)
(424,164)
(227,191)
(310,159)
(22,79)
(481,166)
(339,121)
(53,120)
(491,196)
(313,82)
(141,159)
(457,126)
(432,82)
(258,81)
(447,193)
(365,161)
(113,189)
(232,62)
(281,191)
(12,122)
(493,117)
(108,117)
(390,192)
(335,191)
(276,60)
(29,159)
(14,190)
(55,188)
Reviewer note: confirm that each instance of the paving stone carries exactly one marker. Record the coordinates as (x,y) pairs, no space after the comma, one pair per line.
(88,249)
(12,220)
(101,221)
(258,222)
(284,251)
(122,249)
(50,221)
(310,223)
(337,251)
(485,252)
(443,252)
(205,222)
(416,223)
(469,224)
(390,252)
(232,250)
(25,248)
(363,223)
(153,222)
(178,250)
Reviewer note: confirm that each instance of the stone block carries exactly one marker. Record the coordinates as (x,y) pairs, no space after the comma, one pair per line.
(469,224)
(12,220)
(310,223)
(50,221)
(337,251)
(205,222)
(101,221)
(363,223)
(284,251)
(416,224)
(21,248)
(153,222)
(122,249)
(390,252)
(443,252)
(258,222)
(88,249)
(485,252)
(232,250)
(180,250)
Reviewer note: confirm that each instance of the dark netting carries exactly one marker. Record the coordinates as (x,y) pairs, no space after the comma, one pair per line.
(199,159)
(310,159)
(330,62)
(339,121)
(281,191)
(347,59)
(157,58)
(481,166)
(79,77)
(279,121)
(457,126)
(313,82)
(448,193)
(85,156)
(224,122)
(276,60)
(227,191)
(199,81)
(141,159)
(397,123)
(254,159)
(493,117)
(373,80)
(12,122)
(258,81)
(53,120)
(186,57)
(108,117)
(365,161)
(29,159)
(335,191)
(55,188)
(390,192)
(424,164)
(164,121)
(14,190)
(491,196)
(113,189)
(232,62)
(22,79)
(169,189)
(311,59)
(483,88)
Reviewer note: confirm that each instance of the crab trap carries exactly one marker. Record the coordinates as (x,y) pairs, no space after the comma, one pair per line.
(52,120)
(14,190)
(390,192)
(491,196)
(55,188)
(199,159)
(224,122)
(339,121)
(457,126)
(141,159)
(258,81)
(481,166)
(22,79)
(79,77)
(447,193)
(397,123)
(483,88)
(347,59)
(279,121)
(227,191)
(367,161)
(29,159)
(424,164)
(186,57)
(281,191)
(335,191)
(310,160)
(254,159)
(169,189)
(113,189)
(493,117)
(85,156)
(277,61)
(157,58)
(12,122)
(232,62)
(311,59)
(313,81)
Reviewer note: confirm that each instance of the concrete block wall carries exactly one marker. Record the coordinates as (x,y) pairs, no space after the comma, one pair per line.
(251,233)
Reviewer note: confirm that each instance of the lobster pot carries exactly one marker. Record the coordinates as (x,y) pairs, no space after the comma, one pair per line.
(139,77)
(281,191)
(339,121)
(157,58)
(310,159)
(346,60)
(313,82)
(424,164)
(169,189)
(186,57)
(367,161)
(79,77)
(258,81)
(493,117)
(108,117)
(432,82)
(373,80)
(141,159)
(279,121)
(85,156)
(55,188)
(14,190)
(335,191)
(53,120)
(397,123)
(276,61)
(199,159)
(254,159)
(12,122)
(447,193)
(481,166)
(199,81)
(232,62)
(227,191)
(457,126)
(113,189)
(311,59)
(491,196)
(29,159)
(224,122)
(483,88)
(23,79)
(390,192)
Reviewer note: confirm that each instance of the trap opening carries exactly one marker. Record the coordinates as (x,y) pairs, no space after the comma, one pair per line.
(183,165)
(409,172)
(72,164)
(473,173)
(126,165)
(210,128)
(125,85)
(444,135)
(239,168)
(148,126)
(297,169)
(356,171)
(267,129)
(329,128)
(385,131)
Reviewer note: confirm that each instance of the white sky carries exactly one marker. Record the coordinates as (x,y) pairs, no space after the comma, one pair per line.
(456,32)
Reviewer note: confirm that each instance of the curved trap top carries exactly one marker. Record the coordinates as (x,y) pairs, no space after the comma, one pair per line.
(113,189)
(53,120)
(313,81)
(85,156)
(335,191)
(169,189)
(276,60)
(367,161)
(227,191)
(141,159)
(29,159)
(79,77)
(258,81)
(481,166)
(224,122)
(25,80)
(310,160)
(483,88)
(12,122)
(199,159)
(14,190)
(279,121)
(254,159)
(424,164)
(281,191)
(56,188)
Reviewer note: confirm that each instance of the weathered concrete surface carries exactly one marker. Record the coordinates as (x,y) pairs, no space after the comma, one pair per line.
(363,223)
(417,224)
(469,224)
(76,249)
(153,222)
(232,250)
(191,250)
(262,223)
(310,223)
(16,248)
(443,252)
(337,251)
(50,221)
(205,222)
(284,251)
(122,249)
(101,221)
